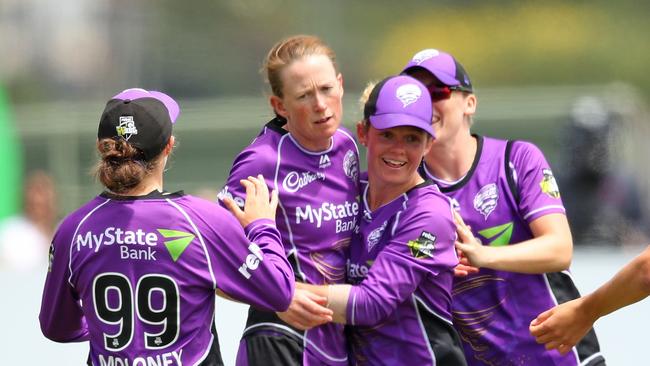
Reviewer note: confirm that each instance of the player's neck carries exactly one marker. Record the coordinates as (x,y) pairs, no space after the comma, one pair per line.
(453,160)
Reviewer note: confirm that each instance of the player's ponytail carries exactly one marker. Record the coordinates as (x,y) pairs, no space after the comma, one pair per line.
(121,166)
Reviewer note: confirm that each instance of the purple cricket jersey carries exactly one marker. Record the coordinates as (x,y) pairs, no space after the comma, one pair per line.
(136,276)
(317,213)
(401,263)
(493,309)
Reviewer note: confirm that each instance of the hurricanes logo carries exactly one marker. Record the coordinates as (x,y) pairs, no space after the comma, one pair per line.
(408,94)
(501,234)
(351,165)
(424,55)
(178,244)
(549,185)
(423,246)
(127,127)
(486,199)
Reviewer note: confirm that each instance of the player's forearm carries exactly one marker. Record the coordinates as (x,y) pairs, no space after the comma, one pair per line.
(631,284)
(539,255)
(337,298)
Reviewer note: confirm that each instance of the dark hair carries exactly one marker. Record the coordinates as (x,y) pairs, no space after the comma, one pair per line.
(288,50)
(121,167)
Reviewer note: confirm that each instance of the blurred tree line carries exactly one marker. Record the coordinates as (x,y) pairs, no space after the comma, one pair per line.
(213,48)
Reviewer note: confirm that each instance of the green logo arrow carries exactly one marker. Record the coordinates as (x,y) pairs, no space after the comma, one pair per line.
(504,233)
(177,246)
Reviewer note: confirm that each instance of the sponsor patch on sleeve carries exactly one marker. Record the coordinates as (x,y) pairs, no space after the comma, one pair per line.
(423,246)
(549,185)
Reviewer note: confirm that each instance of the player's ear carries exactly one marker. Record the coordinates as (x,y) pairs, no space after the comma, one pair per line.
(278,106)
(362,132)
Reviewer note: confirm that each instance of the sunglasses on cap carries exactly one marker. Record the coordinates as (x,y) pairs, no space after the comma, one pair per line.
(441,91)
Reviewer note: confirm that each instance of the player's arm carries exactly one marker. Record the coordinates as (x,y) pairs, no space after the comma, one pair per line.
(550,249)
(563,326)
(396,272)
(61,317)
(251,264)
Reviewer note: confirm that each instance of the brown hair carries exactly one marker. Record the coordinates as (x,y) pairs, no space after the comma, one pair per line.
(288,50)
(121,167)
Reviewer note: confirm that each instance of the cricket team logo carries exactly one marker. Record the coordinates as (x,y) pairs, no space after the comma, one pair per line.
(549,184)
(126,128)
(423,246)
(486,199)
(351,165)
(375,235)
(424,55)
(408,94)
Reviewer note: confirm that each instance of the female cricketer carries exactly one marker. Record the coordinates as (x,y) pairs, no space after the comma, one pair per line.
(313,163)
(134,271)
(402,256)
(506,193)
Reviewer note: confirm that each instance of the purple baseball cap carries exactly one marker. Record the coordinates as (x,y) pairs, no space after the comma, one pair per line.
(141,117)
(399,101)
(443,66)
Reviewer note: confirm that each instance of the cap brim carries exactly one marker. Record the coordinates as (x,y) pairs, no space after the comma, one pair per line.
(441,75)
(390,120)
(136,93)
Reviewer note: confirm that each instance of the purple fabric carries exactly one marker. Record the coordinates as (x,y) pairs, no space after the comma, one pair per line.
(401,101)
(402,258)
(318,210)
(137,93)
(151,265)
(492,309)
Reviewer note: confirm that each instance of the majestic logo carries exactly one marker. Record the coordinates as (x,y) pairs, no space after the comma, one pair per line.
(324,161)
(424,55)
(486,199)
(375,235)
(454,204)
(422,246)
(549,185)
(501,234)
(295,181)
(127,127)
(180,241)
(408,94)
(351,165)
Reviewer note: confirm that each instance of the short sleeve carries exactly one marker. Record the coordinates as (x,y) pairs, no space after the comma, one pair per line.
(538,190)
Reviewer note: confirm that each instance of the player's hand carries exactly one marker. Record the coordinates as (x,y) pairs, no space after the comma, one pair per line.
(463,268)
(473,253)
(307,310)
(562,327)
(259,203)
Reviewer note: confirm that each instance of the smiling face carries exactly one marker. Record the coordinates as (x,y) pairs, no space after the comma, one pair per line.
(394,155)
(311,101)
(451,116)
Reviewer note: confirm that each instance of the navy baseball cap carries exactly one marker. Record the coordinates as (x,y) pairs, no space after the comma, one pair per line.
(141,117)
(443,66)
(399,101)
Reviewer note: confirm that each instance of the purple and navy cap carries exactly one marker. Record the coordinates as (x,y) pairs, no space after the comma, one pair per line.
(399,101)
(443,66)
(141,117)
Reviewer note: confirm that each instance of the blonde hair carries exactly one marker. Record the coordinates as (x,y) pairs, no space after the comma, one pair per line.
(288,50)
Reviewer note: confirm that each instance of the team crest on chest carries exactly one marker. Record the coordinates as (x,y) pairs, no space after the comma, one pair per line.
(486,199)
(351,165)
(375,235)
(549,184)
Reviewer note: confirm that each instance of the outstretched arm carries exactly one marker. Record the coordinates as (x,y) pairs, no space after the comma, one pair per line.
(564,325)
(550,249)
